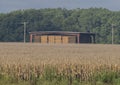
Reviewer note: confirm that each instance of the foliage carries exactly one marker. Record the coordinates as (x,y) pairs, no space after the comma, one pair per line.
(97,20)
(107,77)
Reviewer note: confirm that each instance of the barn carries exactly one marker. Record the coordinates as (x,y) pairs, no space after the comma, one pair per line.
(62,37)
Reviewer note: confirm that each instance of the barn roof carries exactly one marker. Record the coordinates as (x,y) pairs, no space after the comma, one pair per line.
(60,32)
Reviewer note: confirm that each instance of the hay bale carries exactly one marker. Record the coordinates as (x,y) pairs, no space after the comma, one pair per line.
(37,39)
(44,39)
(65,39)
(58,39)
(51,39)
(72,39)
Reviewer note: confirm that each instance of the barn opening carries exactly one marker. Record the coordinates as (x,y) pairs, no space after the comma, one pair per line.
(62,37)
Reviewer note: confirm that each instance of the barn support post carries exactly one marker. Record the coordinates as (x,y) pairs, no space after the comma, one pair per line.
(78,38)
(93,38)
(31,38)
(47,39)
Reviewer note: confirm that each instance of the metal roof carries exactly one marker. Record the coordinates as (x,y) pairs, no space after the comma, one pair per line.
(60,32)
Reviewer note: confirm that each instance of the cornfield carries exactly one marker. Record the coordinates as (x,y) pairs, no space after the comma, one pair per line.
(23,61)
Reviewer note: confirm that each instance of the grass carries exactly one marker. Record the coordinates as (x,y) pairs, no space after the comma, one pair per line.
(50,78)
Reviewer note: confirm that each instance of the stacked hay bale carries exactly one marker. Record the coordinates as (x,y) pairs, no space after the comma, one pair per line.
(72,39)
(68,39)
(37,39)
(65,39)
(55,39)
(51,39)
(58,39)
(44,39)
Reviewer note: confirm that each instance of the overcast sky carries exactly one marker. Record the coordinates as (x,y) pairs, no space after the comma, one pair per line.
(11,5)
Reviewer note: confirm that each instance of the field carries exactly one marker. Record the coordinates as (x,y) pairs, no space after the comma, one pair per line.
(61,64)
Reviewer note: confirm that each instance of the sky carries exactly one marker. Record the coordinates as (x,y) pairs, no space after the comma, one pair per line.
(12,5)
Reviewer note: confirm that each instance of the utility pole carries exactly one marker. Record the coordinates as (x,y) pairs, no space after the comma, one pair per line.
(112,35)
(24,23)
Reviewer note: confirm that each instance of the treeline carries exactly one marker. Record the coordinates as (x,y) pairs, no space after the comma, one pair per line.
(97,20)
